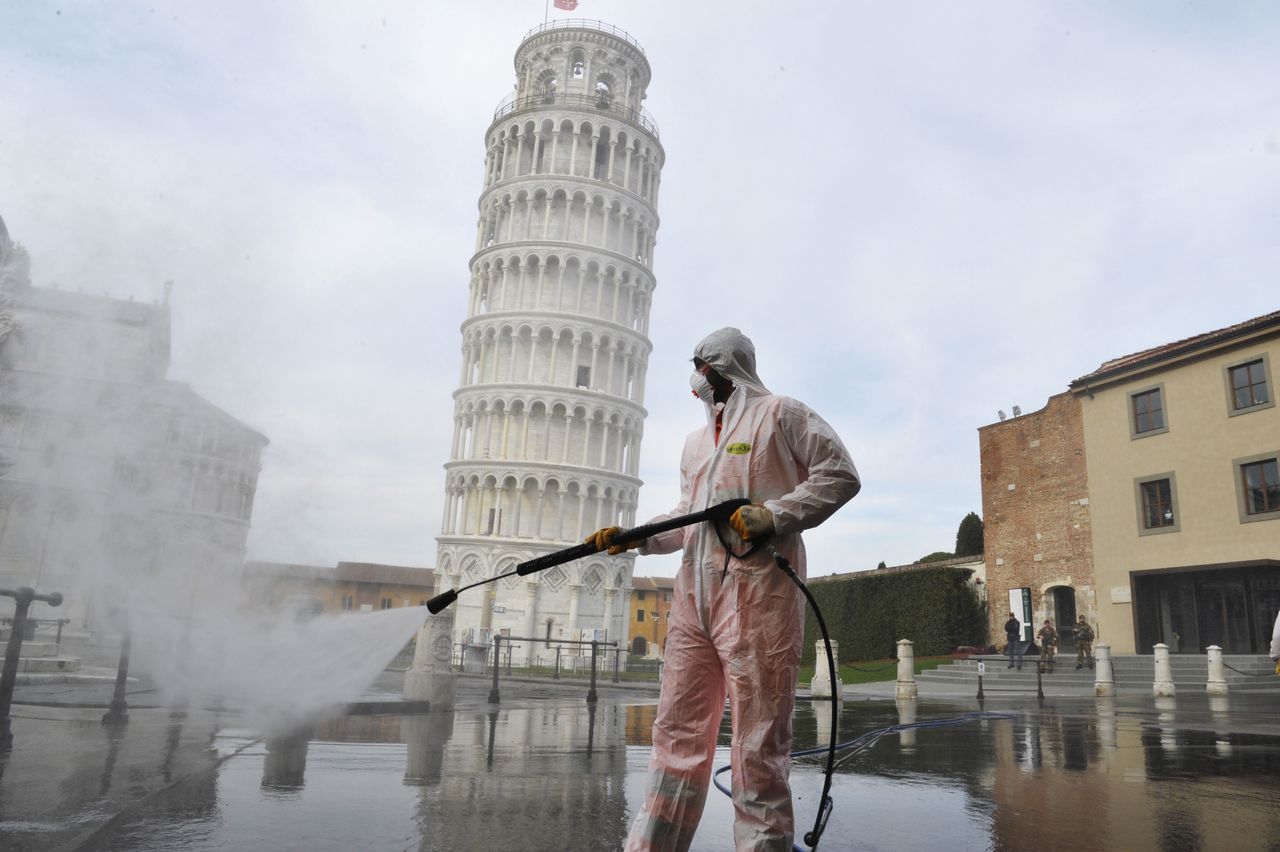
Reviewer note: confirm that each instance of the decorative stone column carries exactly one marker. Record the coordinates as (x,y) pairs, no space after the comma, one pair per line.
(821,686)
(1217,682)
(1104,680)
(431,677)
(906,685)
(1162,686)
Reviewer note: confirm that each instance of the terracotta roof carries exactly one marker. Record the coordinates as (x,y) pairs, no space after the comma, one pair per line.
(356,572)
(644,584)
(1179,347)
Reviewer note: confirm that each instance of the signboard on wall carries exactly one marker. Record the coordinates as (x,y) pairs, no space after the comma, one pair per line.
(1020,606)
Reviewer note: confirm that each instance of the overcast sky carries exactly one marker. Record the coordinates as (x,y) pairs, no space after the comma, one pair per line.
(921,213)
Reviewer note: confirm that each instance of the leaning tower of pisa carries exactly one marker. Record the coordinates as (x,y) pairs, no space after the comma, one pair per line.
(549,409)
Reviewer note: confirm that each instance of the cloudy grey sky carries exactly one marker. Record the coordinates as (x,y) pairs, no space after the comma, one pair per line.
(922,213)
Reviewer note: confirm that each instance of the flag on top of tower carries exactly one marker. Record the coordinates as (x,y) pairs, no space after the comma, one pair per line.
(567,5)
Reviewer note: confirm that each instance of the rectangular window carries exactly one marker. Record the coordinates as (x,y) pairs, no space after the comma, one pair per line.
(666,596)
(1249,383)
(348,602)
(640,595)
(386,603)
(639,615)
(1148,411)
(1157,504)
(1248,386)
(584,377)
(1261,483)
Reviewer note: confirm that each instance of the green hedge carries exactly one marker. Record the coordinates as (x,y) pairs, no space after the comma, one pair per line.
(933,607)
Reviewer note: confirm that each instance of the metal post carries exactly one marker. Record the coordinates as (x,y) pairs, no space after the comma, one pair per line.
(591,694)
(1039,685)
(616,652)
(118,712)
(982,667)
(23,597)
(497,661)
(556,676)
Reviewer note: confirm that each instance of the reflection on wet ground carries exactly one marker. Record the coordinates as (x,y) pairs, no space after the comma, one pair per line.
(547,773)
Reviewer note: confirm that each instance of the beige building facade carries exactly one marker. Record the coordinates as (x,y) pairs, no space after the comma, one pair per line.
(1182,445)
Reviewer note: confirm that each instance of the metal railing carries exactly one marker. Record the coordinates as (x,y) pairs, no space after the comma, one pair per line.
(585,24)
(511,105)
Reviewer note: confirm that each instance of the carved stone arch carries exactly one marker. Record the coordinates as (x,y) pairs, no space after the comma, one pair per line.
(593,578)
(548,126)
(566,125)
(586,128)
(517,407)
(473,568)
(508,480)
(528,128)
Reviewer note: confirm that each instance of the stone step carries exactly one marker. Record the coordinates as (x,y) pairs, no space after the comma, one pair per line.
(37,665)
(36,649)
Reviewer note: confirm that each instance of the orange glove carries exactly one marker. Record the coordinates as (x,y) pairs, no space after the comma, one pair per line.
(603,540)
(752,522)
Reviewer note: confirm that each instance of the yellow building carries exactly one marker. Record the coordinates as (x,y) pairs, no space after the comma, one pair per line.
(1181,444)
(349,586)
(649,615)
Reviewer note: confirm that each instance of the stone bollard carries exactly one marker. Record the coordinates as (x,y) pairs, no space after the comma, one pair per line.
(1217,683)
(1104,679)
(820,686)
(906,716)
(431,676)
(906,686)
(1163,684)
(1107,722)
(1166,707)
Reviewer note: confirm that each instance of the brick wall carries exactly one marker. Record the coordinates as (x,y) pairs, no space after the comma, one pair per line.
(1035,509)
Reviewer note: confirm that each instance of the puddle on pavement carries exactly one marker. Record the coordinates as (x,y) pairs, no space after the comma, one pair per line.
(1073,774)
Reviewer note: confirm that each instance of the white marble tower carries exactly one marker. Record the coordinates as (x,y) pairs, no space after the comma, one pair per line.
(549,411)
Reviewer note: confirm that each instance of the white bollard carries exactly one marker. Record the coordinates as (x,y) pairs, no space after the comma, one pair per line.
(1165,720)
(431,677)
(1104,679)
(820,686)
(1217,683)
(1162,686)
(906,715)
(906,685)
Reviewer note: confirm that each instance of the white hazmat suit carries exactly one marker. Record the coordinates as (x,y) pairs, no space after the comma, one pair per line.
(738,629)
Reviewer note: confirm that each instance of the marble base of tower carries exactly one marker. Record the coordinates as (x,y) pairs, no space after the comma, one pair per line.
(431,677)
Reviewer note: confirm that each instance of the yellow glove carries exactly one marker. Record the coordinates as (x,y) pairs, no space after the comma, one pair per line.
(603,539)
(752,522)
(1278,667)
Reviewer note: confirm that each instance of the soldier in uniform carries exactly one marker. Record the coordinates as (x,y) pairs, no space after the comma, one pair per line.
(1084,644)
(1048,645)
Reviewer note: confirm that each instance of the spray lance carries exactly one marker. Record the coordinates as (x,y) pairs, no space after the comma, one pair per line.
(717,514)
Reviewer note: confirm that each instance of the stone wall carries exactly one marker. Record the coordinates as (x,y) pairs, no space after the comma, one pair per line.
(1035,510)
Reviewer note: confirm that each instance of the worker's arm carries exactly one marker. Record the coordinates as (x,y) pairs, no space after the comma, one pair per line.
(832,481)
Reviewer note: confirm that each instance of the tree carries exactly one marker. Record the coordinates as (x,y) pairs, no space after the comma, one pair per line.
(881,566)
(969,536)
(936,556)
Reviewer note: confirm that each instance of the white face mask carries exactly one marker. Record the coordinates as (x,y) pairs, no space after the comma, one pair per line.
(702,388)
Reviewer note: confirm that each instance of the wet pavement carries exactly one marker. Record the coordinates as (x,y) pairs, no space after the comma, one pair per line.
(542,771)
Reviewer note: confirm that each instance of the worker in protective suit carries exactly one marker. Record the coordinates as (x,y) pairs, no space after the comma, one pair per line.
(737,621)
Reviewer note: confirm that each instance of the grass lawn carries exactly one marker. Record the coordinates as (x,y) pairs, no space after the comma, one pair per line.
(887,669)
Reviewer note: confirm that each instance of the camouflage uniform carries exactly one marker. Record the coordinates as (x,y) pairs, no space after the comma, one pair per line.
(1084,644)
(1048,645)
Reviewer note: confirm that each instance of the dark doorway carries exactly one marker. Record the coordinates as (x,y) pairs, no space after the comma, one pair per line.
(1064,614)
(639,647)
